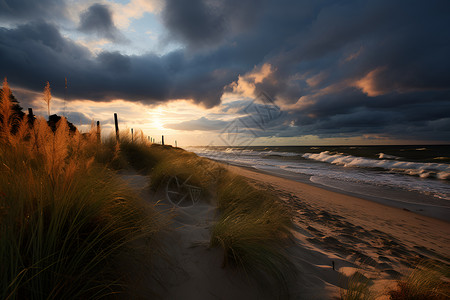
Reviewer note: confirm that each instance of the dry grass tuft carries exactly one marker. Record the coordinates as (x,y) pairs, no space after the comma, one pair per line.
(426,281)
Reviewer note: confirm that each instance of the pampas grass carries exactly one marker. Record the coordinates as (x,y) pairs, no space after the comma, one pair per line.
(65,220)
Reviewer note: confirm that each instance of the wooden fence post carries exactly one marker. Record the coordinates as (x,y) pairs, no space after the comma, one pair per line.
(98,132)
(132,135)
(30,117)
(162,141)
(117,126)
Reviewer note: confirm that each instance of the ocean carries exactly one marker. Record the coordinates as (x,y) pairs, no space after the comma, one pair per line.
(394,175)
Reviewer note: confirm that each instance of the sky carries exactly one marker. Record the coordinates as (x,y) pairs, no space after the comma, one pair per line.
(237,73)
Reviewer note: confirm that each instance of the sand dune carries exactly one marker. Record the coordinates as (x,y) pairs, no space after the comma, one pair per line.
(332,230)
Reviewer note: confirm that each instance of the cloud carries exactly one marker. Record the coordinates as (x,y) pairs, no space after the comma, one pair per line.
(200,23)
(203,124)
(134,9)
(245,85)
(97,19)
(194,21)
(76,118)
(352,67)
(368,83)
(33,53)
(17,11)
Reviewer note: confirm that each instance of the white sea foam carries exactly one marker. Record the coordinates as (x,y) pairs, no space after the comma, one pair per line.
(387,156)
(441,158)
(363,172)
(423,170)
(279,153)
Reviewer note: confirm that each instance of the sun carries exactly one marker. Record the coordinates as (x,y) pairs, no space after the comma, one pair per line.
(155,116)
(157,124)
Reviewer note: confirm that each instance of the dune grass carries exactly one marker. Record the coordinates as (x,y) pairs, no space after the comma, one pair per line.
(253,230)
(252,227)
(358,287)
(426,281)
(162,162)
(66,221)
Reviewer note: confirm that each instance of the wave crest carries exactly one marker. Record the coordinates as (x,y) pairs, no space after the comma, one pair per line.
(423,170)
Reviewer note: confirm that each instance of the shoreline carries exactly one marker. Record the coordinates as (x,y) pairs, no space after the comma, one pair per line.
(436,212)
(352,234)
(414,229)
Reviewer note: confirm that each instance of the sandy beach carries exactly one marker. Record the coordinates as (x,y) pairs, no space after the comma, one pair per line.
(382,241)
(353,234)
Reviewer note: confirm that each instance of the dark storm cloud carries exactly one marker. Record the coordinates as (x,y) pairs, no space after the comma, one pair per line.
(33,53)
(337,67)
(202,23)
(404,47)
(97,19)
(25,10)
(193,21)
(384,68)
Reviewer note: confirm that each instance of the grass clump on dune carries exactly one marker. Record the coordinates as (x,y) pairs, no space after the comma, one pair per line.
(190,168)
(65,221)
(253,229)
(358,287)
(427,281)
(163,162)
(424,282)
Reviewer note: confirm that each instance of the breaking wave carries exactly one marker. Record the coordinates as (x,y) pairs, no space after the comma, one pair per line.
(393,164)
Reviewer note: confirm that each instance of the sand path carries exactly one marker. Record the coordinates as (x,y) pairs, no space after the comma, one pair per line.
(195,270)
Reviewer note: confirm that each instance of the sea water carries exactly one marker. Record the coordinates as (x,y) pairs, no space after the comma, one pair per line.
(417,175)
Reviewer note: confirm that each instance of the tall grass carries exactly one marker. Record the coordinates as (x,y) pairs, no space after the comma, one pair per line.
(65,221)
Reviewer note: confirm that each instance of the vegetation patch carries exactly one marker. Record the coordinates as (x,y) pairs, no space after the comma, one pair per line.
(252,227)
(65,220)
(426,281)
